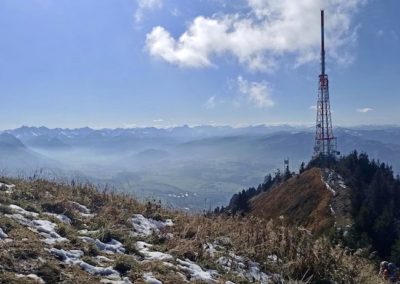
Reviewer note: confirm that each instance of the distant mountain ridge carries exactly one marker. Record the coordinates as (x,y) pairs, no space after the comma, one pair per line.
(204,162)
(15,156)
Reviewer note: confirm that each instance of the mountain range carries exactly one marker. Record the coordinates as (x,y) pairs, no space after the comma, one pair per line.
(187,167)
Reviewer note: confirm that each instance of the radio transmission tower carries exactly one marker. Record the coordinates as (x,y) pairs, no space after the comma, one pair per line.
(325,142)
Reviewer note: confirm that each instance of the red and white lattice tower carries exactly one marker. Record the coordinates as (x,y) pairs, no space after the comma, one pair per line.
(325,142)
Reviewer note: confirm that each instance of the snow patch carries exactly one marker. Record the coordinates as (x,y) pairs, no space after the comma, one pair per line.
(144,227)
(7,188)
(66,256)
(103,259)
(332,211)
(32,277)
(22,211)
(86,232)
(245,268)
(72,257)
(210,249)
(124,280)
(61,217)
(196,272)
(2,234)
(144,248)
(150,279)
(45,228)
(79,207)
(341,183)
(82,209)
(111,247)
(328,186)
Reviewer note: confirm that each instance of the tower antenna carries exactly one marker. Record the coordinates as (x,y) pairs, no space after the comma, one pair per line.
(325,142)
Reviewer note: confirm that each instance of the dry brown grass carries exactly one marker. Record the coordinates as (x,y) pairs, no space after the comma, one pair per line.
(302,256)
(304,200)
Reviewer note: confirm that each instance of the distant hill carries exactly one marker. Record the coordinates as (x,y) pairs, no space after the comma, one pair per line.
(15,156)
(8,141)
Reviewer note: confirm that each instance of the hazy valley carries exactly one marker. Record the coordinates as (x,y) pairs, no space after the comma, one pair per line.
(185,167)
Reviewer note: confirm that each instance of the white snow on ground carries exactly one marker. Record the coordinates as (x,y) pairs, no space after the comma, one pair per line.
(255,273)
(2,234)
(328,186)
(245,268)
(45,228)
(60,217)
(144,227)
(8,188)
(196,272)
(72,257)
(32,277)
(82,209)
(332,211)
(79,207)
(102,260)
(113,246)
(211,249)
(66,256)
(144,248)
(239,265)
(124,280)
(341,182)
(22,211)
(150,279)
(85,232)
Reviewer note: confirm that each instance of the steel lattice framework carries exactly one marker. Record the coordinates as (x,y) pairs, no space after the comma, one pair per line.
(325,142)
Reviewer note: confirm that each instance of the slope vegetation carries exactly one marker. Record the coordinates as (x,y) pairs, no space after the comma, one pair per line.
(55,233)
(302,200)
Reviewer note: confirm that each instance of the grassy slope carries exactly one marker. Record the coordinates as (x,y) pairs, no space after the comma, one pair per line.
(300,256)
(303,200)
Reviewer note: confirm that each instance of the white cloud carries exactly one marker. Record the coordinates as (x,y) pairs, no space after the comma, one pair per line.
(158,120)
(258,94)
(365,110)
(143,5)
(313,107)
(210,103)
(259,39)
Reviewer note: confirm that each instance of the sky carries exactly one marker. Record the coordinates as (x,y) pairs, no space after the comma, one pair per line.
(135,63)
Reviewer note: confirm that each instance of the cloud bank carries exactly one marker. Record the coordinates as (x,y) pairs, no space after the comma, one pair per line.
(261,36)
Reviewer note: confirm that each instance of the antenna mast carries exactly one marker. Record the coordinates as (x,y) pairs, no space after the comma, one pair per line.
(325,142)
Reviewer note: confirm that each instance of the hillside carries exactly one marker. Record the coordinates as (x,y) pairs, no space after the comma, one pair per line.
(310,199)
(55,233)
(303,200)
(15,157)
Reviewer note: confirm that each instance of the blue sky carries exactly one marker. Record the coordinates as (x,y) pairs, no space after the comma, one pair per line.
(124,63)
